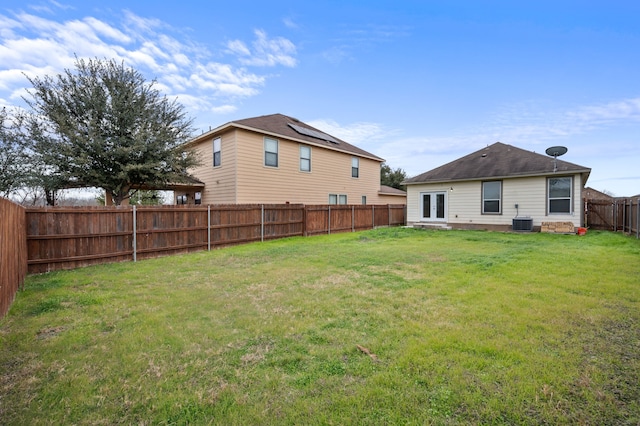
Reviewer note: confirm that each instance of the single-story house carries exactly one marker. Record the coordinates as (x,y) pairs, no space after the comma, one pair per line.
(491,187)
(279,159)
(591,194)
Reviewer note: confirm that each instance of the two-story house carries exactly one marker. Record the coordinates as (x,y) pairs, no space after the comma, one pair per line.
(274,159)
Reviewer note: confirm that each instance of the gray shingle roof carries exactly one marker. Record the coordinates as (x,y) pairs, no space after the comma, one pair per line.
(389,190)
(279,124)
(498,160)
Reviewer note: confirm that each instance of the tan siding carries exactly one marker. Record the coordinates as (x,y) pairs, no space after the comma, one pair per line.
(389,199)
(219,181)
(330,173)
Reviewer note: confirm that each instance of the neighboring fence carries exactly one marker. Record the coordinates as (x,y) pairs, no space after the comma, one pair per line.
(13,252)
(617,215)
(66,238)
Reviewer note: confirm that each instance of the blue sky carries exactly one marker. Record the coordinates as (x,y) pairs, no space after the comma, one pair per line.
(419,83)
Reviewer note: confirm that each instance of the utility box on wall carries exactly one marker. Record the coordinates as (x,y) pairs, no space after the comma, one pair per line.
(522,224)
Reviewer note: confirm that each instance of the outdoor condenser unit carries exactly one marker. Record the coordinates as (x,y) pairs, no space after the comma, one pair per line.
(522,224)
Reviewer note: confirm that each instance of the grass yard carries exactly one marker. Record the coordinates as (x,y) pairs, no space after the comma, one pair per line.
(391,326)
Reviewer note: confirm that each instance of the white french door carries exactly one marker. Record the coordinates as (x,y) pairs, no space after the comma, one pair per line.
(433,206)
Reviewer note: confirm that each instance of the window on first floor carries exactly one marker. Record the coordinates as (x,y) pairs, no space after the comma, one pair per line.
(337,199)
(364,199)
(492,197)
(559,195)
(270,152)
(355,167)
(305,158)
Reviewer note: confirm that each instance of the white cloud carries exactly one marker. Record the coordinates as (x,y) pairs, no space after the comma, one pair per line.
(239,48)
(224,109)
(290,23)
(602,115)
(530,126)
(38,45)
(266,52)
(355,133)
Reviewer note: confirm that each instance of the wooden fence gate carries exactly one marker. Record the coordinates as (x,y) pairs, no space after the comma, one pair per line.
(614,215)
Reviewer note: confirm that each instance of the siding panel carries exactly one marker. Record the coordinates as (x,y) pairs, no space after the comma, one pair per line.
(465,202)
(220,186)
(330,173)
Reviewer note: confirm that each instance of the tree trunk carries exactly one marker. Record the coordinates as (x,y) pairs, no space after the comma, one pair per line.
(50,195)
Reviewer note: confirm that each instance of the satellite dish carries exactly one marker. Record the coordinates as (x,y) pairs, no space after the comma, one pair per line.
(555,152)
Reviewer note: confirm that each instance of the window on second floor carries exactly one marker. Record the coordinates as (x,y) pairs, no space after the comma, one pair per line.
(270,152)
(217,157)
(560,197)
(492,197)
(355,167)
(305,158)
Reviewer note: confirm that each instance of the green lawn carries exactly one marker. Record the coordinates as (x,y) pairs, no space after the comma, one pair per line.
(461,327)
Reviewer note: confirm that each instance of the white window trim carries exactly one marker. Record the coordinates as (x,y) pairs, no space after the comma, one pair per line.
(302,147)
(219,150)
(338,198)
(270,152)
(499,212)
(356,161)
(549,212)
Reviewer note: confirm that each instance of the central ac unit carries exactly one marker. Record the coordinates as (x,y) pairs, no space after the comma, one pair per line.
(522,224)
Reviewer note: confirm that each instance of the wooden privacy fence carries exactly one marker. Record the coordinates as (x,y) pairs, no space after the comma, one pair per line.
(13,252)
(617,215)
(67,238)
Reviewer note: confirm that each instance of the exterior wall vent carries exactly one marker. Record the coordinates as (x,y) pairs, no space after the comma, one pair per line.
(522,224)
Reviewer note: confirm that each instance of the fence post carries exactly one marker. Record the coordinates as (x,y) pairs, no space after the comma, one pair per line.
(637,218)
(262,223)
(304,221)
(630,216)
(329,222)
(353,218)
(208,227)
(135,236)
(373,216)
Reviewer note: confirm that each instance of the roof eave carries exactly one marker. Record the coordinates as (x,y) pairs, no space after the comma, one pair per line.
(226,126)
(583,172)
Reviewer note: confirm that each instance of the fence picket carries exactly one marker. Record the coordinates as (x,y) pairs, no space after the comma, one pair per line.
(615,215)
(13,252)
(66,238)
